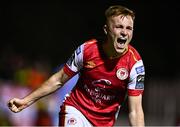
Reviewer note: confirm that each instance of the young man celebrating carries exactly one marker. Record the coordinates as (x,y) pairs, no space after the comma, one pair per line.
(109,70)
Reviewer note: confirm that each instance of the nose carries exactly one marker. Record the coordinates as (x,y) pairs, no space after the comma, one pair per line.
(123,32)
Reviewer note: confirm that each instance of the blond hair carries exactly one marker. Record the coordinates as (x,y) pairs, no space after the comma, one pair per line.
(118,10)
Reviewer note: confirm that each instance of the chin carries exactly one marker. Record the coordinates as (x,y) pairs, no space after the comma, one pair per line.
(120,51)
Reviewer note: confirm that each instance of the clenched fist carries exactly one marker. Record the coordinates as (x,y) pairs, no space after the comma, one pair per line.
(16,105)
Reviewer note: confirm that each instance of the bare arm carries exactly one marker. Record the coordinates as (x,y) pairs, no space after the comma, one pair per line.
(136,114)
(51,85)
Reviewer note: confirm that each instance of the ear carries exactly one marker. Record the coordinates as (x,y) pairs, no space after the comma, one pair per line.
(105,29)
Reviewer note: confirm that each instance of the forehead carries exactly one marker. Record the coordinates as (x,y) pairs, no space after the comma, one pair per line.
(121,19)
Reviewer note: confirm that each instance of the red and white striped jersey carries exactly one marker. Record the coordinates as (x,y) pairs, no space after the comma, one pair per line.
(103,82)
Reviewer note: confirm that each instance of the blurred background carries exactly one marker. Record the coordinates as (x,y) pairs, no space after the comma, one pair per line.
(37,38)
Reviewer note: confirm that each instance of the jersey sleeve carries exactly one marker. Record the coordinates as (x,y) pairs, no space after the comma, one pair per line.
(75,62)
(136,82)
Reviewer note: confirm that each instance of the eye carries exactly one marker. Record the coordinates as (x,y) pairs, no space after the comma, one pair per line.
(129,28)
(119,26)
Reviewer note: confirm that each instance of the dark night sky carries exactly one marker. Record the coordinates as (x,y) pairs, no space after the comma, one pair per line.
(53,29)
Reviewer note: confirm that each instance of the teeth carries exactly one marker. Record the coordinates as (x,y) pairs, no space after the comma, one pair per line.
(123,38)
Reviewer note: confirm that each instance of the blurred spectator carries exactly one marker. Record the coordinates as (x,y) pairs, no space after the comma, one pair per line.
(43,116)
(32,75)
(26,117)
(37,75)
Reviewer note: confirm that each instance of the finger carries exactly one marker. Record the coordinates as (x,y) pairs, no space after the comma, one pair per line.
(9,104)
(17,110)
(14,109)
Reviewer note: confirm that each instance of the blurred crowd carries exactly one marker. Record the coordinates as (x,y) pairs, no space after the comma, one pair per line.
(19,75)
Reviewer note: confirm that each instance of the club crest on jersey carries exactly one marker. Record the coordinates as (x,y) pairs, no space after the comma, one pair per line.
(122,73)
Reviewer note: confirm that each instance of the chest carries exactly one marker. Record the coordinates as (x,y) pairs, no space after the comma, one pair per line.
(111,74)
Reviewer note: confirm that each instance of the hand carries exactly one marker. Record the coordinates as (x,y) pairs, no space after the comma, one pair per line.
(16,105)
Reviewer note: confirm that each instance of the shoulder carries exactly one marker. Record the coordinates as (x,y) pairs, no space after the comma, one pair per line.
(90,45)
(90,49)
(85,46)
(135,56)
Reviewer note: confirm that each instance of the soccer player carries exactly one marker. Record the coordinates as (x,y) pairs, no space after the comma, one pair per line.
(109,70)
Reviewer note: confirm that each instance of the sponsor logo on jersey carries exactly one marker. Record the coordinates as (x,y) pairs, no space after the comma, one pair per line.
(90,64)
(71,121)
(140,82)
(99,94)
(139,69)
(122,73)
(102,81)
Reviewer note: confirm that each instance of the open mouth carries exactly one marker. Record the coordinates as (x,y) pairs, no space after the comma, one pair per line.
(121,40)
